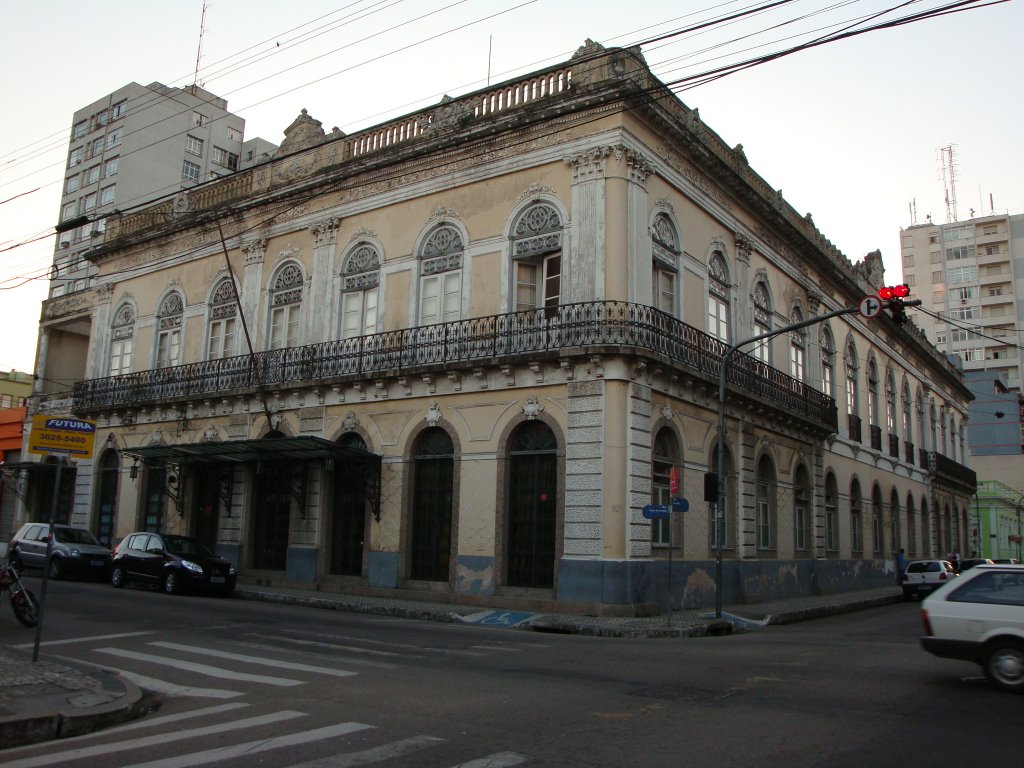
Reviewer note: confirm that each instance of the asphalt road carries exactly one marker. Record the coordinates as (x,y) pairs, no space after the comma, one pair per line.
(238,683)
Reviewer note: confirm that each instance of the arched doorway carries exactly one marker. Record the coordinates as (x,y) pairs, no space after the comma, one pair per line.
(348,525)
(433,473)
(110,466)
(532,506)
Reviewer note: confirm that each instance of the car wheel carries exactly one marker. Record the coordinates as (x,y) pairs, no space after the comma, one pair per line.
(1004,665)
(117,576)
(171,583)
(56,570)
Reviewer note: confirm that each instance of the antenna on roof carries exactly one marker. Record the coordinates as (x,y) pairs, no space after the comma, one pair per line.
(199,53)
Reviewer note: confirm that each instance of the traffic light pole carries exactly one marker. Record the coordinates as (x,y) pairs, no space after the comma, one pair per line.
(720,504)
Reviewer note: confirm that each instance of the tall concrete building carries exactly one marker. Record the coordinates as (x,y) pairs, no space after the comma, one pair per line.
(964,274)
(134,145)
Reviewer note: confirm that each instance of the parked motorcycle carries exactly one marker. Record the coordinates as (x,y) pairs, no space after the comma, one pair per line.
(23,602)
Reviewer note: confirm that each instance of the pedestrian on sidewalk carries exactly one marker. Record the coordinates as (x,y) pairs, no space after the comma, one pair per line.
(901,566)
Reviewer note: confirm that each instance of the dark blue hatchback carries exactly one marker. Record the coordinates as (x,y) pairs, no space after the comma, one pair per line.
(175,563)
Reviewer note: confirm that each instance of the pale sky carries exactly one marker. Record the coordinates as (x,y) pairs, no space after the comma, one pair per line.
(849,131)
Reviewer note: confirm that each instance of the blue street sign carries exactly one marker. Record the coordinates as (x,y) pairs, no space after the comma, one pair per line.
(680,505)
(656,512)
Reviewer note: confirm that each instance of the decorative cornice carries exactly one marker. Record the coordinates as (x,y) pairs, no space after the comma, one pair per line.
(255,251)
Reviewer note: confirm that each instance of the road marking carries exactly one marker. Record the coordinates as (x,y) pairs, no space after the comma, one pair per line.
(400,646)
(134,726)
(259,660)
(92,639)
(254,747)
(497,648)
(374,755)
(497,760)
(340,659)
(68,755)
(173,689)
(202,669)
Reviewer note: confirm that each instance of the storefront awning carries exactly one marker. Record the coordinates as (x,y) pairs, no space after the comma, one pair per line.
(280,450)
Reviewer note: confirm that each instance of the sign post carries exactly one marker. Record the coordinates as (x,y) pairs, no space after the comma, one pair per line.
(66,438)
(664,512)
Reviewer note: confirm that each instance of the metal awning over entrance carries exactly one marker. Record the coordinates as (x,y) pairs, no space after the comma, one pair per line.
(279,450)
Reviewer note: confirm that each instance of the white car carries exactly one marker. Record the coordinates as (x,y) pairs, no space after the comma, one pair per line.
(979,617)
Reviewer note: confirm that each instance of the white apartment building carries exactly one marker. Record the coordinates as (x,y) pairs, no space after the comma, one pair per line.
(970,277)
(134,145)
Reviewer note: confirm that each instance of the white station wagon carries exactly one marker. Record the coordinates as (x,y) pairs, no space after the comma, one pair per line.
(979,617)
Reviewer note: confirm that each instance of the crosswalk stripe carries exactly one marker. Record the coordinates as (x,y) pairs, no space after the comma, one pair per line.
(65,756)
(259,660)
(347,660)
(253,747)
(173,689)
(497,760)
(372,755)
(92,639)
(202,669)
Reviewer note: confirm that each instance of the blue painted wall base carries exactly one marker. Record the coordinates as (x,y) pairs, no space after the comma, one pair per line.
(302,564)
(382,569)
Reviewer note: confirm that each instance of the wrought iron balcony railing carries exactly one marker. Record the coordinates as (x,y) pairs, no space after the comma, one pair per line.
(951,470)
(908,452)
(591,327)
(853,427)
(894,446)
(876,437)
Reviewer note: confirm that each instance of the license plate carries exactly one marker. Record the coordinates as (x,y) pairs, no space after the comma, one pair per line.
(97,563)
(216,579)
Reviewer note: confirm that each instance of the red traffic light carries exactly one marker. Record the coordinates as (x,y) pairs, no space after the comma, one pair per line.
(894,291)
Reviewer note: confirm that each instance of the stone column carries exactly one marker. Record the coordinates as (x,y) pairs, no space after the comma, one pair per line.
(325,238)
(252,281)
(583,273)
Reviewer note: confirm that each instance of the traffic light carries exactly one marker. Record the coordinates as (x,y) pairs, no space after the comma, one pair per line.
(894,298)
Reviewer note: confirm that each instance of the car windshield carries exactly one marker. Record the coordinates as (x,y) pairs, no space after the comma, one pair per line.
(75,536)
(179,545)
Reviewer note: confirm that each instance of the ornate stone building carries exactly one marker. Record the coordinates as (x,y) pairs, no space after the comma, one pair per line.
(457,354)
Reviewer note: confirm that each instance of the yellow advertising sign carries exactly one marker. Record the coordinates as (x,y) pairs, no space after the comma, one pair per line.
(62,434)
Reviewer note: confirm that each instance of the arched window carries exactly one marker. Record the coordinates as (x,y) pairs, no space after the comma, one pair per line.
(852,405)
(663,461)
(168,334)
(719,530)
(802,510)
(762,322)
(286,307)
(890,403)
(433,476)
(877,524)
(360,276)
(665,255)
(537,256)
(894,522)
(908,424)
(441,276)
(122,343)
(797,347)
(532,506)
(872,393)
(828,361)
(718,297)
(856,518)
(831,513)
(911,527)
(765,512)
(223,323)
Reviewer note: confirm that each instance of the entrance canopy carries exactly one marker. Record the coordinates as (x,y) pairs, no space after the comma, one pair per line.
(280,450)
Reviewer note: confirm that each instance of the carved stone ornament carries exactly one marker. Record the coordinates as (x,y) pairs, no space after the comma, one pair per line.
(533,408)
(362,234)
(324,231)
(667,413)
(433,415)
(442,213)
(210,435)
(180,205)
(304,132)
(535,191)
(255,251)
(744,246)
(350,423)
(157,438)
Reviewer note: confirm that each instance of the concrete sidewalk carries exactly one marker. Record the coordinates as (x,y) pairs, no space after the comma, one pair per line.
(56,698)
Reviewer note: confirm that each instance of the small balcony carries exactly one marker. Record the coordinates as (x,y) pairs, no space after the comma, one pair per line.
(952,471)
(894,446)
(908,452)
(853,427)
(572,330)
(876,437)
